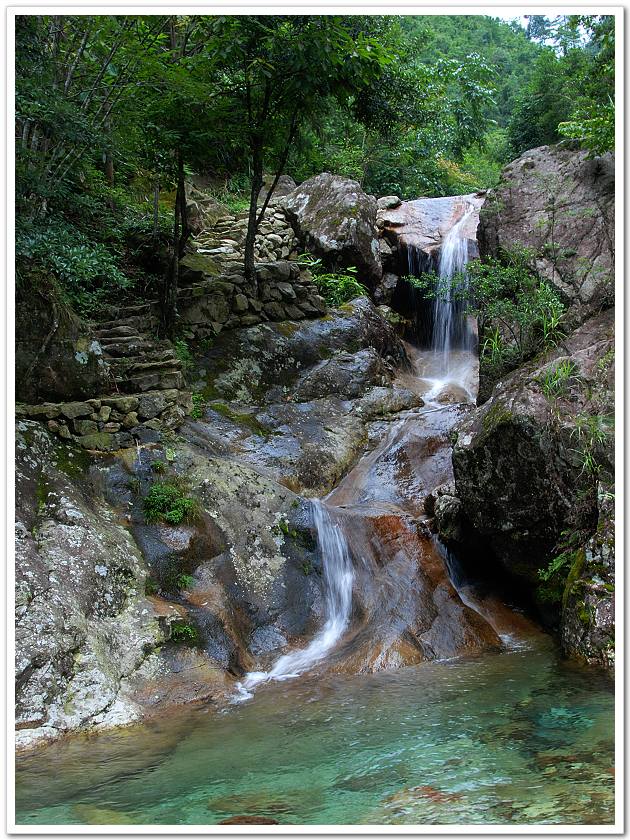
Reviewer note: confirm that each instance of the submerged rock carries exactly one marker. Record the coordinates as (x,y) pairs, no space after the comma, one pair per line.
(245,819)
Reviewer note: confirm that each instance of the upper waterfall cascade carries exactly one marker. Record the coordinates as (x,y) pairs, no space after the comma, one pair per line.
(450,327)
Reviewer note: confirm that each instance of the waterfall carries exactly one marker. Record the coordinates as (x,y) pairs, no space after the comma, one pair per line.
(449,325)
(338,577)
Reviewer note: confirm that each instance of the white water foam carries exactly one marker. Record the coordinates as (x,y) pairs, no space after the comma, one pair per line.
(338,578)
(447,310)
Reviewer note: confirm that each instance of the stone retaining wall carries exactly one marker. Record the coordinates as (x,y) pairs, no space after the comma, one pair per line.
(213,302)
(112,422)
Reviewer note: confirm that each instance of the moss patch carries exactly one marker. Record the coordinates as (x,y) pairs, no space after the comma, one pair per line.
(497,415)
(573,576)
(287,328)
(250,421)
(71,461)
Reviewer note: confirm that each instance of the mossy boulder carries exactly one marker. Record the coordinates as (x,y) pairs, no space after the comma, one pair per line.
(525,461)
(335,219)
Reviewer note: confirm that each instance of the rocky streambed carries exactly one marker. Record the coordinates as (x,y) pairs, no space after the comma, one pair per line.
(120,618)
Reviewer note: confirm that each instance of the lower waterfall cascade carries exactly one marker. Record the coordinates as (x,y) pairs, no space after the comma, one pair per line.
(446,373)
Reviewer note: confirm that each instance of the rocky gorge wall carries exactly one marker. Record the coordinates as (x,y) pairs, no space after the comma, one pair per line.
(289,396)
(534,465)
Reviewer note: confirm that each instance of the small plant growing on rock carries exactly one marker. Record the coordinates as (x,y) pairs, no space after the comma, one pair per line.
(184,581)
(158,467)
(184,633)
(556,381)
(199,406)
(593,432)
(183,353)
(167,502)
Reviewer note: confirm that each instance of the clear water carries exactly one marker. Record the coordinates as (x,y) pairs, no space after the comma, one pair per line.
(517,737)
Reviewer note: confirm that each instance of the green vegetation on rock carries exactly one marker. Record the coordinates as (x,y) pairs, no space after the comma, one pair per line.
(167,502)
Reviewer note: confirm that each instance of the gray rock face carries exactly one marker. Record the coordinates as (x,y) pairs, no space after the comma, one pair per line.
(56,354)
(588,608)
(285,186)
(264,363)
(336,220)
(83,623)
(560,204)
(347,375)
(521,461)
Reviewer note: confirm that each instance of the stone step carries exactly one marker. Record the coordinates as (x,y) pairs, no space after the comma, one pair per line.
(106,340)
(129,327)
(151,381)
(129,348)
(127,366)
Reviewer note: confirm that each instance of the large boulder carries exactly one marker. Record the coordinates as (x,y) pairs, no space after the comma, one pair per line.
(336,220)
(285,186)
(522,460)
(417,228)
(559,203)
(84,625)
(264,363)
(202,209)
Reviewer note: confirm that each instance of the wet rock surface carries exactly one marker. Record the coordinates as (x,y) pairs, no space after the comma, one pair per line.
(421,224)
(588,605)
(290,411)
(526,467)
(517,463)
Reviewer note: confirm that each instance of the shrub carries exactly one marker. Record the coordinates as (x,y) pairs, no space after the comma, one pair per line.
(166,502)
(184,633)
(85,272)
(336,288)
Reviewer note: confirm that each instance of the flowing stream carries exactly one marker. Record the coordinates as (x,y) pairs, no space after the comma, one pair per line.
(515,736)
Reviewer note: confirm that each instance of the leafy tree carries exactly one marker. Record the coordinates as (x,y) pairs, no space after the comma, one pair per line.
(571,92)
(278,73)
(592,121)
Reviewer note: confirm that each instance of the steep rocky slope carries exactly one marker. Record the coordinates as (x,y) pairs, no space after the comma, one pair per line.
(534,465)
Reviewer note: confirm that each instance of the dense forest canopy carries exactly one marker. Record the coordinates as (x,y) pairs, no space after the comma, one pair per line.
(113,112)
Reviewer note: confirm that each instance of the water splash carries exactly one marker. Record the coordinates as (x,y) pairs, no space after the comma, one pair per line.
(449,321)
(338,578)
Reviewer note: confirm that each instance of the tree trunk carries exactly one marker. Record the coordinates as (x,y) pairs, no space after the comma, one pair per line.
(253,221)
(168,319)
(156,207)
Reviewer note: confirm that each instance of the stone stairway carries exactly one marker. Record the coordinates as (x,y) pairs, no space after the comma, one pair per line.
(225,240)
(138,361)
